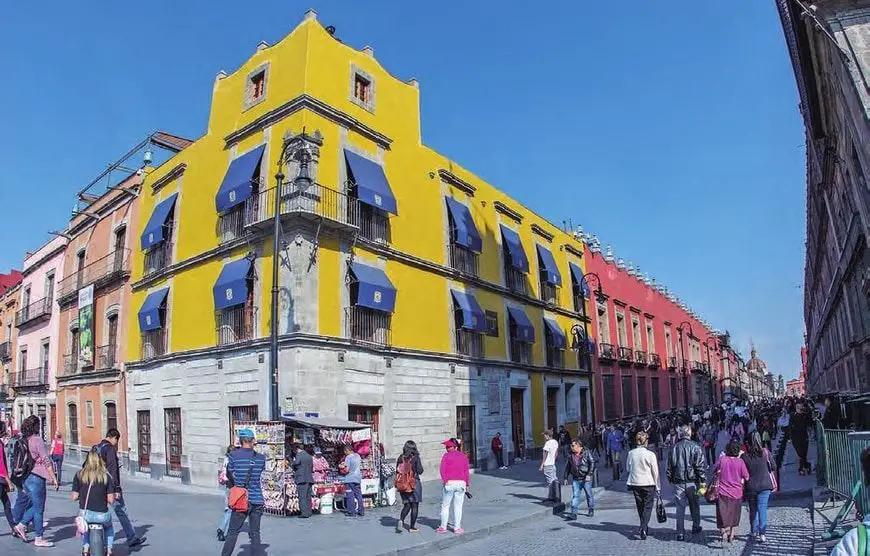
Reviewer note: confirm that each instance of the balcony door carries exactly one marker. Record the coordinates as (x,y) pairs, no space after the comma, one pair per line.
(112,323)
(120,242)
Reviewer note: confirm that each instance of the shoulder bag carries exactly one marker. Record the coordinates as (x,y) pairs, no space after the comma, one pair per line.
(772,471)
(712,492)
(81,524)
(237,499)
(661,514)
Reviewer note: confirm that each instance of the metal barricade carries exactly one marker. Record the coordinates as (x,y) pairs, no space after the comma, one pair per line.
(858,442)
(821,454)
(840,466)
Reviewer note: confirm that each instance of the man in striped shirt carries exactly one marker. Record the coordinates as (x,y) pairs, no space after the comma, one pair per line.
(244,469)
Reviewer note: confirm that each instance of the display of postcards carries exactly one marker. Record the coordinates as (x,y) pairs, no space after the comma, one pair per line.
(261,433)
(276,434)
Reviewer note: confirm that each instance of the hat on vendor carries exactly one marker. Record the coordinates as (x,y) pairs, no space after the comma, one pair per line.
(317,450)
(450,443)
(246,434)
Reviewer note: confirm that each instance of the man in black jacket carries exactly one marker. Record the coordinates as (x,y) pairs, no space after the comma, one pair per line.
(303,474)
(686,469)
(108,451)
(579,470)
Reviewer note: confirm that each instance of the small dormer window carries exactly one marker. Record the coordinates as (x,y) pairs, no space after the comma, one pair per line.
(255,87)
(362,89)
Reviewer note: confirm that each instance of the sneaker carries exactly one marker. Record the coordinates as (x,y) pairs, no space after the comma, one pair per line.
(459,531)
(400,526)
(441,530)
(20,532)
(643,534)
(40,542)
(136,542)
(591,512)
(762,538)
(414,530)
(220,535)
(681,537)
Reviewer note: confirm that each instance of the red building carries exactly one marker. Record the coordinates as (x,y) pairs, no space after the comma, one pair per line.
(651,353)
(9,279)
(797,386)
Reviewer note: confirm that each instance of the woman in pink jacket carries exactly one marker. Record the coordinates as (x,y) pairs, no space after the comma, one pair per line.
(455,476)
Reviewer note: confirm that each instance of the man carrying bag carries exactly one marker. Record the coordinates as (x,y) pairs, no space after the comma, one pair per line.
(244,470)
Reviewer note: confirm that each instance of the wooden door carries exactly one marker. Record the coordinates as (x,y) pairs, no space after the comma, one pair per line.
(143,438)
(552,408)
(173,440)
(465,431)
(518,421)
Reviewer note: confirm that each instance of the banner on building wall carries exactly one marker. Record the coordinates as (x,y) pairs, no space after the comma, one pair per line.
(86,326)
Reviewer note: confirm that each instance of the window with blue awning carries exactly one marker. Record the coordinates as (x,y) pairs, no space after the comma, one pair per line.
(522,327)
(473,317)
(231,287)
(238,184)
(549,271)
(372,288)
(155,229)
(153,311)
(558,339)
(515,250)
(465,231)
(372,186)
(579,280)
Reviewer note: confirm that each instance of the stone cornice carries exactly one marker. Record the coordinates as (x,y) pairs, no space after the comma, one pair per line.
(315,105)
(172,174)
(187,263)
(44,259)
(507,211)
(449,177)
(573,250)
(542,233)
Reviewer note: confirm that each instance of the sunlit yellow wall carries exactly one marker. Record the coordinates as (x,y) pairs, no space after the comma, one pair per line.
(309,61)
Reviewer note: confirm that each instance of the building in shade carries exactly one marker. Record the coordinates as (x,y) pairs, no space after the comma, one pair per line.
(831,58)
(10,292)
(652,352)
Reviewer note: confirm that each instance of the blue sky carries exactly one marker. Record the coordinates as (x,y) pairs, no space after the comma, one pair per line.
(671,132)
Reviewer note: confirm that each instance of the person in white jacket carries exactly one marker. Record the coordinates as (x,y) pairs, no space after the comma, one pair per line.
(642,467)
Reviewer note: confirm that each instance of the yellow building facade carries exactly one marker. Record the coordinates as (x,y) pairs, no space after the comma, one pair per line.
(410,292)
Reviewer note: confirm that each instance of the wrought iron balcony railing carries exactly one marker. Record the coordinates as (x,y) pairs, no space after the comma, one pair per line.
(625,355)
(464,260)
(672,363)
(521,352)
(654,360)
(606,352)
(640,357)
(107,357)
(516,280)
(548,293)
(234,325)
(369,326)
(5,351)
(314,201)
(555,358)
(153,344)
(157,258)
(470,343)
(31,378)
(374,224)
(113,266)
(33,312)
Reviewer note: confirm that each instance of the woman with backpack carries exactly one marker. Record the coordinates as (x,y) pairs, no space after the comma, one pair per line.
(408,471)
(30,469)
(94,490)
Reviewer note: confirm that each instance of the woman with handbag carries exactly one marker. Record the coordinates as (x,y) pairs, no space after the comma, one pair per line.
(762,482)
(94,490)
(409,485)
(642,467)
(732,473)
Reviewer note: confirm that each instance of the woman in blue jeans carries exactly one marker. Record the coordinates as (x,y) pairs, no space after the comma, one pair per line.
(94,490)
(759,486)
(30,503)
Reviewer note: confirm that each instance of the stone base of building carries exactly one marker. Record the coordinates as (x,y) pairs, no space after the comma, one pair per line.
(404,396)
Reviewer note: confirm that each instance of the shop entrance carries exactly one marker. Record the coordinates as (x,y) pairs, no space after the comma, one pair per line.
(173,441)
(552,408)
(518,422)
(465,431)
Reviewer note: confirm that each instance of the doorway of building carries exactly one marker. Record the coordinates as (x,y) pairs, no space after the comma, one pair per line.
(518,422)
(173,441)
(465,432)
(552,408)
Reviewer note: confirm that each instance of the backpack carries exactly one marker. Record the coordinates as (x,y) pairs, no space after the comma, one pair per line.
(22,462)
(406,481)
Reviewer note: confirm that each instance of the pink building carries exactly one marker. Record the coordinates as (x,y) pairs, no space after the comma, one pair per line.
(38,322)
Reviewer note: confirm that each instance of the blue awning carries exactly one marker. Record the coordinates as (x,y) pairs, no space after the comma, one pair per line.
(473,317)
(231,288)
(237,186)
(515,249)
(577,274)
(149,313)
(557,336)
(466,231)
(549,270)
(154,230)
(373,289)
(525,331)
(372,187)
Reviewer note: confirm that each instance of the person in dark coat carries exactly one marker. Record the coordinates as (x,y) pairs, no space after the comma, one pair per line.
(303,474)
(800,437)
(410,500)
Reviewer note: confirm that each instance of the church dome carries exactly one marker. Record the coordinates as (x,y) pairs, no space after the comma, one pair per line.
(755,364)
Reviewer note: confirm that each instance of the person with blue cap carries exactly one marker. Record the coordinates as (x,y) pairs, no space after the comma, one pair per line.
(244,469)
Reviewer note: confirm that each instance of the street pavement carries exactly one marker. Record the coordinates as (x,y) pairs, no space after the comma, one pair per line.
(182,520)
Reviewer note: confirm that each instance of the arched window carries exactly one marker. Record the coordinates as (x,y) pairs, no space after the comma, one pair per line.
(73,421)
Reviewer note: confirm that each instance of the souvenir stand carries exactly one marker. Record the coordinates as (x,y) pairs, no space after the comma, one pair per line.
(329,434)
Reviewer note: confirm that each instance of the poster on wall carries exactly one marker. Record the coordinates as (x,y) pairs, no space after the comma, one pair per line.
(86,326)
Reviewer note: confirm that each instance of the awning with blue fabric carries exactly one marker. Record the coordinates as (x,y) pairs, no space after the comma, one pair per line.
(237,186)
(373,289)
(549,270)
(525,331)
(473,317)
(577,274)
(515,249)
(556,334)
(372,186)
(154,230)
(231,288)
(466,232)
(149,313)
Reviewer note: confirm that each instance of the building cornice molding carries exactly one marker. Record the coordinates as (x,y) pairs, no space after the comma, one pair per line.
(167,178)
(452,179)
(507,211)
(43,260)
